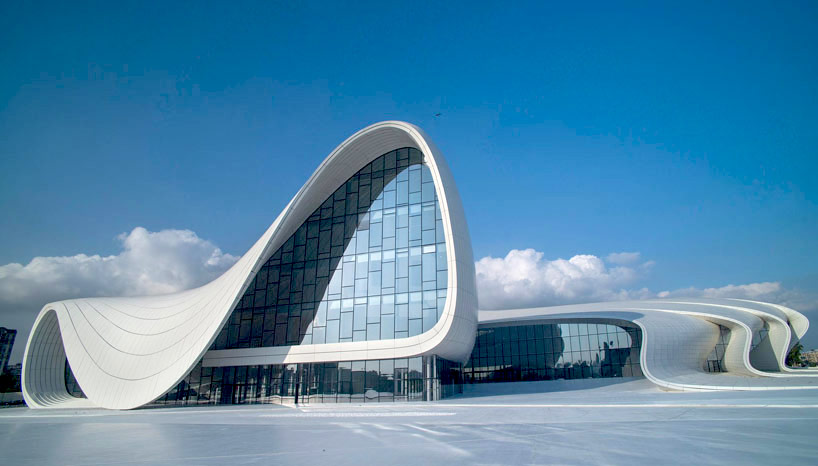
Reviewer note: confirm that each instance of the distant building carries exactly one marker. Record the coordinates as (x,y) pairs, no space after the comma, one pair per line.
(15,370)
(810,357)
(6,343)
(11,387)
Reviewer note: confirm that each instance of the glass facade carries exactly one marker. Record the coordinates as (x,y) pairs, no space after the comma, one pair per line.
(715,360)
(552,351)
(71,384)
(541,351)
(368,264)
(408,379)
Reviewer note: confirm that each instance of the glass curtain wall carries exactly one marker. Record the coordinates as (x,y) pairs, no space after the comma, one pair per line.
(408,379)
(368,264)
(552,351)
(71,385)
(715,360)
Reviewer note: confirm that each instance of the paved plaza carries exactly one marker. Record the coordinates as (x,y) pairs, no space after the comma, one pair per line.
(576,422)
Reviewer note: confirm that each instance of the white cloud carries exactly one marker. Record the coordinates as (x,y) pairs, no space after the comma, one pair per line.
(149,263)
(771,292)
(623,258)
(749,291)
(524,278)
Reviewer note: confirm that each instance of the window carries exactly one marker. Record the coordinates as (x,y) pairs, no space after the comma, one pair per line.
(377,236)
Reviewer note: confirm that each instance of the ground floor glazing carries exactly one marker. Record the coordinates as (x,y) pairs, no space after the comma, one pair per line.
(547,350)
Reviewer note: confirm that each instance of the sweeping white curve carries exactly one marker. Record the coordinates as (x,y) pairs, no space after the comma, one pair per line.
(126,352)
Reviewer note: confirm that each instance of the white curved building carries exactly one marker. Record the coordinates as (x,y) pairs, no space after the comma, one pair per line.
(363,289)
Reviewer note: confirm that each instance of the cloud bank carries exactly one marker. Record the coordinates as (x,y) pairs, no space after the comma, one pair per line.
(524,278)
(149,263)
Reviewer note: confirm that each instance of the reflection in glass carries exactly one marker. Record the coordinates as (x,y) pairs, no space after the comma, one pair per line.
(409,379)
(378,237)
(554,351)
(715,360)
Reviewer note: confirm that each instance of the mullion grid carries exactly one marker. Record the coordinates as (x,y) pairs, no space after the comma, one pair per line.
(387,251)
(554,351)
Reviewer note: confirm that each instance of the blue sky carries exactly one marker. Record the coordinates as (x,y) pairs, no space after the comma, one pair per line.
(685,133)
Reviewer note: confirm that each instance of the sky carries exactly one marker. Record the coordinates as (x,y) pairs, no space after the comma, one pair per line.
(602,151)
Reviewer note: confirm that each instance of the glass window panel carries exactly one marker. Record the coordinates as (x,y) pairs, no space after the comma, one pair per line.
(388,304)
(428,237)
(429,267)
(388,275)
(429,318)
(402,263)
(414,227)
(415,278)
(360,317)
(388,226)
(373,331)
(401,317)
(348,274)
(346,324)
(374,285)
(360,287)
(414,181)
(401,285)
(318,335)
(402,189)
(415,305)
(373,313)
(375,261)
(415,327)
(375,235)
(428,192)
(333,330)
(387,326)
(389,199)
(566,342)
(402,219)
(402,238)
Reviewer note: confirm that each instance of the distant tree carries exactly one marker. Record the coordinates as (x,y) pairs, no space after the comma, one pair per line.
(794,356)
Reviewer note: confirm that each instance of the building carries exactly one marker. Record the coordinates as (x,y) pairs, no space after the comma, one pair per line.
(6,344)
(363,289)
(15,370)
(810,357)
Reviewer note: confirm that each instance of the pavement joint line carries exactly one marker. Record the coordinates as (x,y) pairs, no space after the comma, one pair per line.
(340,411)
(632,405)
(359,414)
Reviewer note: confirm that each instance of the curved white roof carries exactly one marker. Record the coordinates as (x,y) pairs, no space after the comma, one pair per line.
(126,352)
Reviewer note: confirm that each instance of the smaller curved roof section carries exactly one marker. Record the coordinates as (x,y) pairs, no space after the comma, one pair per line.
(678,335)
